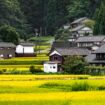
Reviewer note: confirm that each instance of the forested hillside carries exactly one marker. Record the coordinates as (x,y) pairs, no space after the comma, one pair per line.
(44,15)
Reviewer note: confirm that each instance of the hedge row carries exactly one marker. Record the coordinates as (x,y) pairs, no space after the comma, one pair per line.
(95,70)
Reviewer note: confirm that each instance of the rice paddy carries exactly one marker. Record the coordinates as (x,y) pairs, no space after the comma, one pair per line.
(51,90)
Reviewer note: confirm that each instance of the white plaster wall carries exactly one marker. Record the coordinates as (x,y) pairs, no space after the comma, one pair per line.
(19,49)
(28,50)
(85,30)
(49,68)
(95,48)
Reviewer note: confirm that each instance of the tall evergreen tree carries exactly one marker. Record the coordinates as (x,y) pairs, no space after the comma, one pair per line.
(99,17)
(11,14)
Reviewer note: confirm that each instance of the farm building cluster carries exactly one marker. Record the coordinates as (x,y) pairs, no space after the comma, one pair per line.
(81,43)
(10,50)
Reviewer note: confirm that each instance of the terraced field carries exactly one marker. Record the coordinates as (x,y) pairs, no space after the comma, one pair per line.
(24,63)
(51,90)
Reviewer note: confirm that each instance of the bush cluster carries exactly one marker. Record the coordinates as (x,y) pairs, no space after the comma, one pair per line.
(95,70)
(34,70)
(76,86)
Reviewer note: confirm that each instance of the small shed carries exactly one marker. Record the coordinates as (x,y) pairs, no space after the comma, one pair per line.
(51,67)
(25,50)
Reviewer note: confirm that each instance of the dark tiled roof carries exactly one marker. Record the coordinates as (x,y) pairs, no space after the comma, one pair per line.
(52,62)
(73,51)
(7,44)
(100,50)
(97,61)
(90,58)
(90,39)
(61,44)
(27,44)
(77,28)
(79,20)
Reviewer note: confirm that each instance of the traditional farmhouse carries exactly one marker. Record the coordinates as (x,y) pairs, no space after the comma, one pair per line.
(63,44)
(25,50)
(51,67)
(7,50)
(78,22)
(78,28)
(60,44)
(66,26)
(81,30)
(58,54)
(75,23)
(91,42)
(97,58)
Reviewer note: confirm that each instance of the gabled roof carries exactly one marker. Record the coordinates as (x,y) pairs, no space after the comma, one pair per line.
(7,44)
(73,51)
(79,20)
(90,39)
(90,58)
(100,50)
(27,44)
(77,28)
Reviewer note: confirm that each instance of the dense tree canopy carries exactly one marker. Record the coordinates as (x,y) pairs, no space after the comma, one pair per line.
(45,15)
(11,14)
(74,64)
(9,34)
(99,17)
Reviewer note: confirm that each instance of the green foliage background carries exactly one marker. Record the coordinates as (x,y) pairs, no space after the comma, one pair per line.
(45,15)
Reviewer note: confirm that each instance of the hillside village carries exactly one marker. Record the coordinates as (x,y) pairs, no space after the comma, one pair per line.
(81,43)
(52,52)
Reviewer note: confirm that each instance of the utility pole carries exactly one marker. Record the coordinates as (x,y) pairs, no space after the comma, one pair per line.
(36,35)
(40,38)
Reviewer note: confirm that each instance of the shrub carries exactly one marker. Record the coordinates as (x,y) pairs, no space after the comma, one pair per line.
(83,77)
(80,86)
(95,70)
(14,71)
(4,70)
(101,88)
(74,65)
(1,71)
(33,70)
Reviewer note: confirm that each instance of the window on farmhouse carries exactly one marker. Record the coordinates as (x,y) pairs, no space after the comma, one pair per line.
(53,67)
(1,55)
(1,48)
(55,58)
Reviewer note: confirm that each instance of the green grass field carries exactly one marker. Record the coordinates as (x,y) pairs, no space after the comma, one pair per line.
(51,90)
